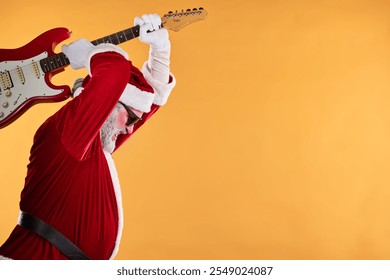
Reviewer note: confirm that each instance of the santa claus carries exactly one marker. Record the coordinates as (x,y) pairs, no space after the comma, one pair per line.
(71,206)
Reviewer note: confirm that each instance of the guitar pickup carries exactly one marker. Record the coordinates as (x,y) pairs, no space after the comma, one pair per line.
(5,79)
(19,70)
(36,69)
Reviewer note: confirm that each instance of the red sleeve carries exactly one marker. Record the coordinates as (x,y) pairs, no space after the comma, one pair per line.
(80,121)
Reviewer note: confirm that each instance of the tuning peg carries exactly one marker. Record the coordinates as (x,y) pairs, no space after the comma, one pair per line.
(188,10)
(200,8)
(194,9)
(170,12)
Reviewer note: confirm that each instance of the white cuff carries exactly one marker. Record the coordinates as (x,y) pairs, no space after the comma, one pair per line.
(101,48)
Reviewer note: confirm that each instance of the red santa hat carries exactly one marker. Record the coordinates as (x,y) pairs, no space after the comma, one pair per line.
(138,93)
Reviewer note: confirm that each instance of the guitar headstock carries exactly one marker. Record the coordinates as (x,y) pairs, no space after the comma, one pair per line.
(177,20)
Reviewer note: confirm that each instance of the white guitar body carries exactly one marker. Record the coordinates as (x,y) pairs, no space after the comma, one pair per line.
(21,81)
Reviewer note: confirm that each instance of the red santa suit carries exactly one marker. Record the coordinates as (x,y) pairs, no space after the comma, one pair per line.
(71,182)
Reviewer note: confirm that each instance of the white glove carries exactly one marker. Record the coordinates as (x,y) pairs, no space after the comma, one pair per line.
(160,46)
(151,32)
(78,53)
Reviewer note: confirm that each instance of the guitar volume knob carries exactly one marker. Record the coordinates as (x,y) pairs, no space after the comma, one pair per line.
(1,115)
(5,105)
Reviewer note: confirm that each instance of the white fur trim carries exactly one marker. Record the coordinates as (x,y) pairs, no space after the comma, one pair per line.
(101,48)
(118,196)
(131,96)
(77,91)
(137,99)
(161,90)
(4,258)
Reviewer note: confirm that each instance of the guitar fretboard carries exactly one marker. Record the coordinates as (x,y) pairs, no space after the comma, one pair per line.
(60,60)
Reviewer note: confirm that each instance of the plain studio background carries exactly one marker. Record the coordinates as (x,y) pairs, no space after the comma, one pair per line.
(275,144)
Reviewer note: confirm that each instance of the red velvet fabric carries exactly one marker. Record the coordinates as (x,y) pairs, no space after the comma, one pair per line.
(68,182)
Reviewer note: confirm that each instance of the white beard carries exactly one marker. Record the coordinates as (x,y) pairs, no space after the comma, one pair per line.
(108,131)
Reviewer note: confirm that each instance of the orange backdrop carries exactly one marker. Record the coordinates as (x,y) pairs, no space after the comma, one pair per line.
(274,144)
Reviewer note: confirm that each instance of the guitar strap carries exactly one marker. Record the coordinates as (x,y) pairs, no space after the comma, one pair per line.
(52,235)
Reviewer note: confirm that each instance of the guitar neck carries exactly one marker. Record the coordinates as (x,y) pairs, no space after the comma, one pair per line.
(60,60)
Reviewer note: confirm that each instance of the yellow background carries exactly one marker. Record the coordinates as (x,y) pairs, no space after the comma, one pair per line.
(275,144)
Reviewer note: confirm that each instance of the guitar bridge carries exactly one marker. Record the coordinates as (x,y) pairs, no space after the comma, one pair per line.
(6,81)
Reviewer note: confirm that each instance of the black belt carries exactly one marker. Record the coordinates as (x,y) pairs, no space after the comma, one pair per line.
(52,235)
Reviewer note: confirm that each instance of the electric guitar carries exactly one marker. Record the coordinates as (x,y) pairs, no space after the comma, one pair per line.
(26,72)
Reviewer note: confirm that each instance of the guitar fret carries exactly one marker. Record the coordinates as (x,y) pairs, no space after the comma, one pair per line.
(54,61)
(49,65)
(113,39)
(128,34)
(121,37)
(117,39)
(109,40)
(132,33)
(125,34)
(63,59)
(45,65)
